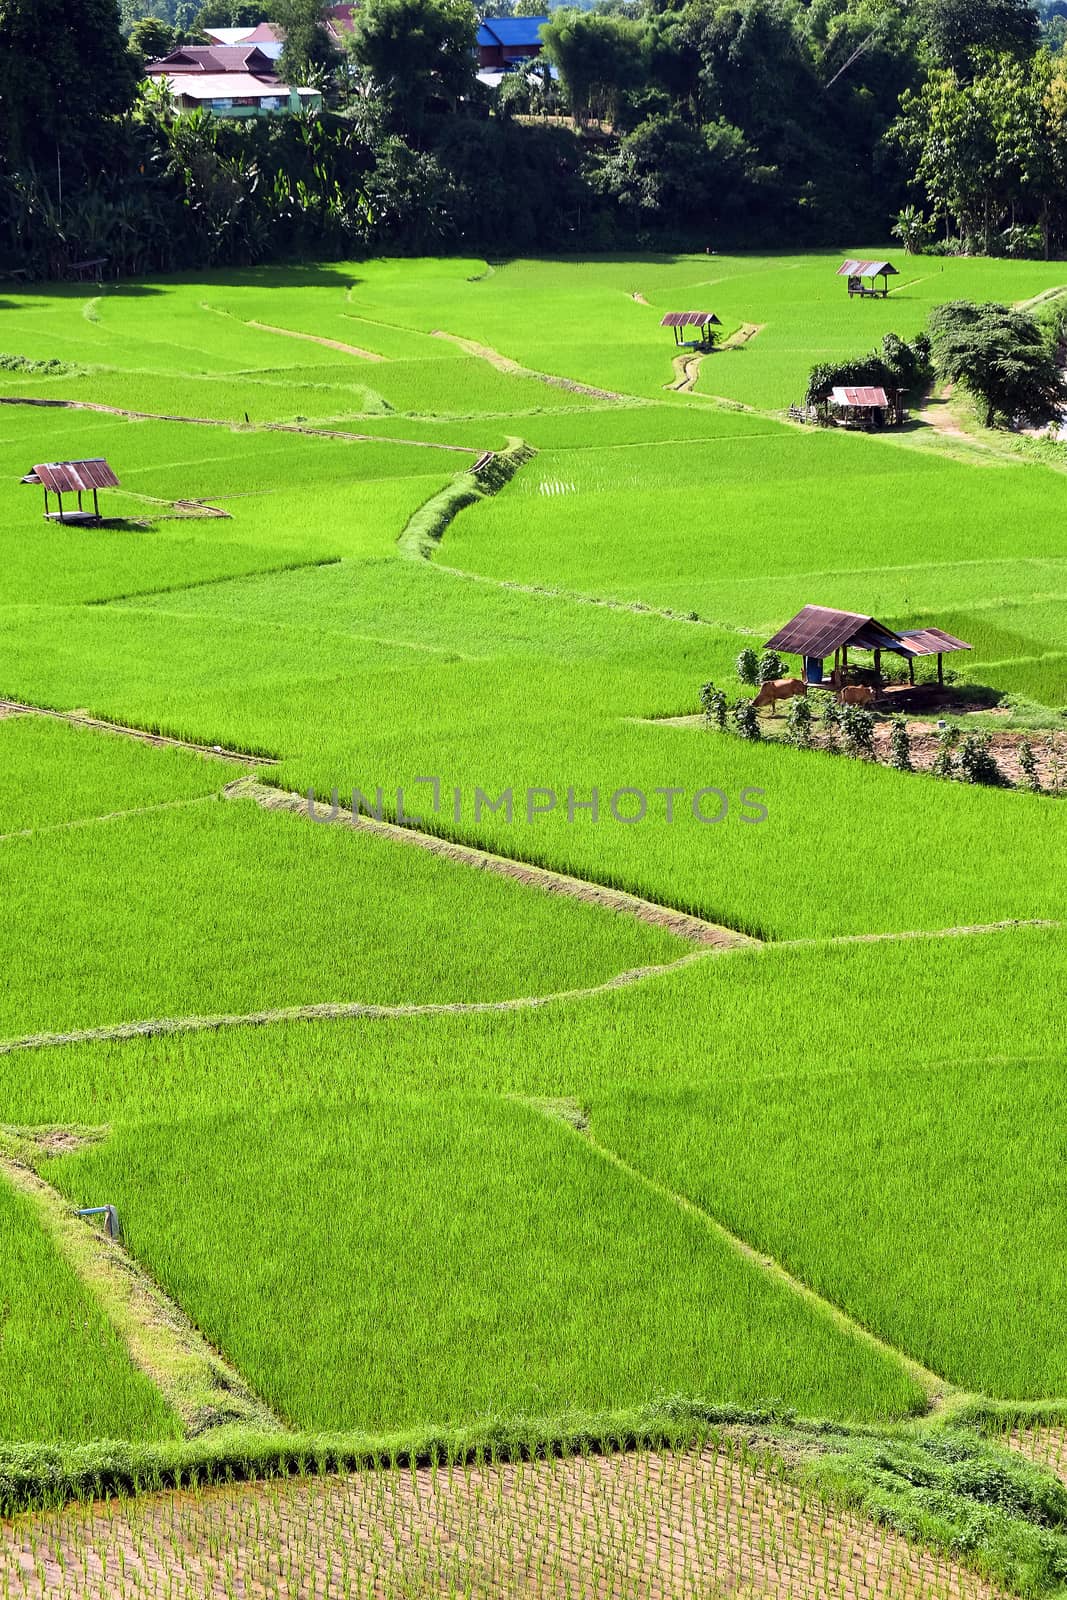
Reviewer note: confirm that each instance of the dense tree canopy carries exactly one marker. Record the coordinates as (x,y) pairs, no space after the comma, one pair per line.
(63,69)
(733,122)
(1002,358)
(152,38)
(309,52)
(955,29)
(416,53)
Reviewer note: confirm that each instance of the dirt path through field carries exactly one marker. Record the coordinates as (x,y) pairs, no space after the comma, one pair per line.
(962,932)
(200,1387)
(315,338)
(741,336)
(686,373)
(515,369)
(686,1525)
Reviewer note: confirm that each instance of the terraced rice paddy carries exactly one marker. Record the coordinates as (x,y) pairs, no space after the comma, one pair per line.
(592,1095)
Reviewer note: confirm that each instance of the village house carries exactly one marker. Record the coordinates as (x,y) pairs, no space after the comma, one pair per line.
(231,80)
(505,43)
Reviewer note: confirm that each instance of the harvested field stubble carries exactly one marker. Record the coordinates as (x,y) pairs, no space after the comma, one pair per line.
(697,1525)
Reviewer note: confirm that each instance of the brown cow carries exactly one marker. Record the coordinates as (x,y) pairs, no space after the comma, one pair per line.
(855,694)
(779,689)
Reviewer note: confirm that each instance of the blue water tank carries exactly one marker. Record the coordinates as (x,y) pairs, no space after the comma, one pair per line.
(813,669)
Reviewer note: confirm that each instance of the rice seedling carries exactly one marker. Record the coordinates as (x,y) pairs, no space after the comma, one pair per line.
(53,773)
(698,1524)
(457,1254)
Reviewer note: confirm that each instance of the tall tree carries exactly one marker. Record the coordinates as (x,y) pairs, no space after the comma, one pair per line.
(599,57)
(309,51)
(416,52)
(151,38)
(64,69)
(955,29)
(999,354)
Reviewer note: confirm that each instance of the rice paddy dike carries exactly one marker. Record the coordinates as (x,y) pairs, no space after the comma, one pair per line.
(518,1195)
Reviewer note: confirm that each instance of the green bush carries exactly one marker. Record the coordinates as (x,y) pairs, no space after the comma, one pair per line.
(748,667)
(746,720)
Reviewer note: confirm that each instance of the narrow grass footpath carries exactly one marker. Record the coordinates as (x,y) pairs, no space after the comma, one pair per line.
(82,719)
(939,1392)
(199,1386)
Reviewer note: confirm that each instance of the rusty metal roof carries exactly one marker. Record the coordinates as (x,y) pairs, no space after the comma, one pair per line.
(819,631)
(69,477)
(247,57)
(861,395)
(930,642)
(867,269)
(689,319)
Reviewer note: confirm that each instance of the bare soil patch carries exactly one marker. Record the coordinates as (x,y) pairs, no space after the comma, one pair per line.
(1004,745)
(698,1525)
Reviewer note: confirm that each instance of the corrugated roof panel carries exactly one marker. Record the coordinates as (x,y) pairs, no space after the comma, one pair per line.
(866,269)
(820,630)
(226,86)
(70,477)
(515,30)
(931,642)
(689,319)
(860,395)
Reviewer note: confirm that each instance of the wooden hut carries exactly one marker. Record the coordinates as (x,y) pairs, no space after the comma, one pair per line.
(865,406)
(868,279)
(704,322)
(73,478)
(818,632)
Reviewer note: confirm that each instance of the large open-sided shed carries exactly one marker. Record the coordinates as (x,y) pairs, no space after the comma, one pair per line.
(703,321)
(817,632)
(73,478)
(863,277)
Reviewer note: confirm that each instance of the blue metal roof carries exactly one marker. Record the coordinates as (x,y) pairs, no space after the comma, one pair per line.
(511,30)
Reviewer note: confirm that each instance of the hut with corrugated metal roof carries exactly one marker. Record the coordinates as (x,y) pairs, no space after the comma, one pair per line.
(818,632)
(863,278)
(704,322)
(72,478)
(864,405)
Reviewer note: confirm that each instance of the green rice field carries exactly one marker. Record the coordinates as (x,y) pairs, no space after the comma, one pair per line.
(617,1062)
